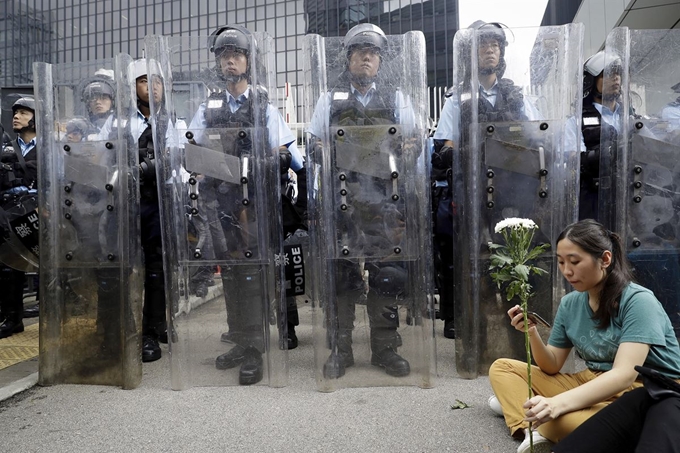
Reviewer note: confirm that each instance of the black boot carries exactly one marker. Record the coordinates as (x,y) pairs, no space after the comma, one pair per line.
(151,351)
(449,329)
(292,338)
(11,326)
(341,358)
(227,337)
(252,367)
(384,352)
(231,359)
(33,311)
(394,364)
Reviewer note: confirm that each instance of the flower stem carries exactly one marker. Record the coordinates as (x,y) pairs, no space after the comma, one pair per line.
(527,344)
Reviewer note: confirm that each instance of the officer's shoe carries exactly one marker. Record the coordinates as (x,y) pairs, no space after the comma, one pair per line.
(9,328)
(201,289)
(251,369)
(231,359)
(449,329)
(292,338)
(151,351)
(334,367)
(163,335)
(227,337)
(394,364)
(33,311)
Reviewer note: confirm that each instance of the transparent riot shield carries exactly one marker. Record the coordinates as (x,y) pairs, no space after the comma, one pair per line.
(520,140)
(369,218)
(643,194)
(90,264)
(221,215)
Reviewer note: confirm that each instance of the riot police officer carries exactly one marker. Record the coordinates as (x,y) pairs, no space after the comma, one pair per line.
(98,95)
(18,175)
(153,316)
(444,216)
(500,100)
(601,118)
(78,128)
(229,108)
(360,100)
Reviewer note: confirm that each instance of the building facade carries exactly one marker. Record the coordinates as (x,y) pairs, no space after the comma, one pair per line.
(601,16)
(64,31)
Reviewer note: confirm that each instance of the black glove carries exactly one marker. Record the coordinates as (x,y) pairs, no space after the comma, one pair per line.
(285,158)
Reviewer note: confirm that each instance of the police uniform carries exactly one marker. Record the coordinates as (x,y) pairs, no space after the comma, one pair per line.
(346,106)
(235,112)
(502,102)
(153,314)
(18,175)
(599,128)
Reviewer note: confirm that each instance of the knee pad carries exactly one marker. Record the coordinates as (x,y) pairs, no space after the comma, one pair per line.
(388,281)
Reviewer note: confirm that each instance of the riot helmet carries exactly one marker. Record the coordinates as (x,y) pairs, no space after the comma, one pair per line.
(487,33)
(95,90)
(594,67)
(367,37)
(25,103)
(98,86)
(138,69)
(231,38)
(78,128)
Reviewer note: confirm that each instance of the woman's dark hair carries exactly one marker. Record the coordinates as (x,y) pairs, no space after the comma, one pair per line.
(594,239)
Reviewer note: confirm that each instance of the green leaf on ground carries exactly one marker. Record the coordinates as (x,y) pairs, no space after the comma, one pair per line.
(460,405)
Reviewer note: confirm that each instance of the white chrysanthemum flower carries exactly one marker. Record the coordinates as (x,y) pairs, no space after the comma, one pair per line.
(515,222)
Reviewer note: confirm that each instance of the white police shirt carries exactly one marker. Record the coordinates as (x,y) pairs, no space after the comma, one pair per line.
(279,132)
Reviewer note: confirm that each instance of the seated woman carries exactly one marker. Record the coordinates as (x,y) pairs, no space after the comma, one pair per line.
(634,423)
(613,323)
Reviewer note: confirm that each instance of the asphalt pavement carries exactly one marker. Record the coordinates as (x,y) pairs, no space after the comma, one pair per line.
(154,418)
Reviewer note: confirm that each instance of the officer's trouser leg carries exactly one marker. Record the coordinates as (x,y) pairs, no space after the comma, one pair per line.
(243,299)
(153,314)
(11,301)
(109,312)
(340,318)
(154,302)
(386,285)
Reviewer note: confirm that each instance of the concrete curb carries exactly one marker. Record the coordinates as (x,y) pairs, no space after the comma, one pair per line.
(18,386)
